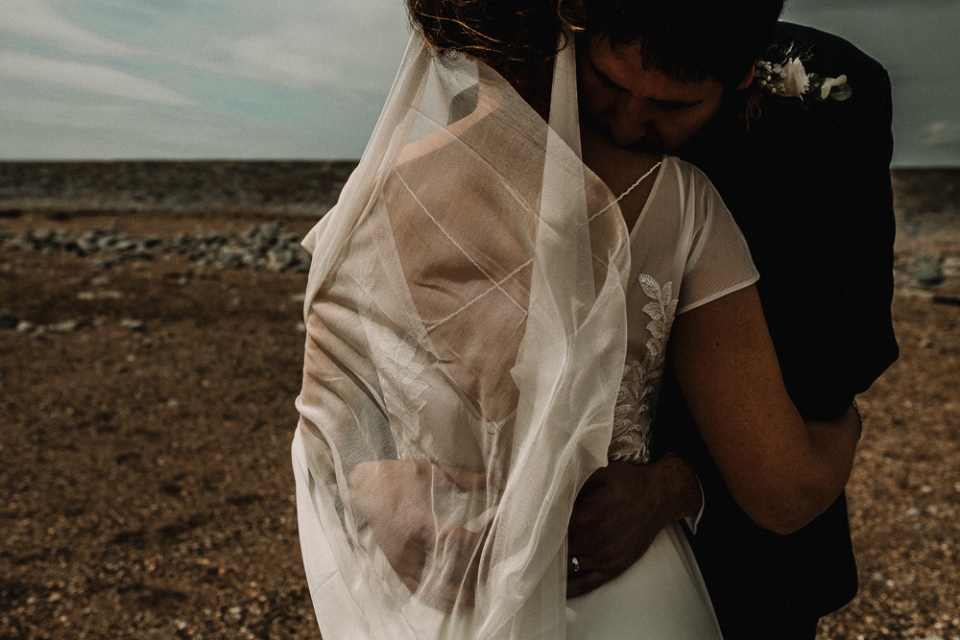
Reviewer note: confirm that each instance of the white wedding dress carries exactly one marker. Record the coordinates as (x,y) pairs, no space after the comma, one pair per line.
(467,333)
(685,251)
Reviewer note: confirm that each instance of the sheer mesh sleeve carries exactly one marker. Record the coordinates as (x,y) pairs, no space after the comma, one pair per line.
(719,260)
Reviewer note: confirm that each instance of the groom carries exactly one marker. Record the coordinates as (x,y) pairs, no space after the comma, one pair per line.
(806,176)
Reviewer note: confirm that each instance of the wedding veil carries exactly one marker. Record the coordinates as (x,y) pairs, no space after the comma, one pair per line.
(466,335)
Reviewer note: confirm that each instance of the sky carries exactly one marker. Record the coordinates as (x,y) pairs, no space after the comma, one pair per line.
(305,79)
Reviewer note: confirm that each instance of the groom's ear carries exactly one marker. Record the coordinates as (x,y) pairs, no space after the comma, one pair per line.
(747,79)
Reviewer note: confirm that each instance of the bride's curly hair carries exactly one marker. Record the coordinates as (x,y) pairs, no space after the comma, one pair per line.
(499,31)
(518,38)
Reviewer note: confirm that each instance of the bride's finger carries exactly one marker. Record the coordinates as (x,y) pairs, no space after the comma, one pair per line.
(444,589)
(452,567)
(463,479)
(459,551)
(585,582)
(410,582)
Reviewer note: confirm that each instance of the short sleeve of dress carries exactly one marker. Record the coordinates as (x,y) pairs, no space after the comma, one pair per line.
(718,262)
(685,250)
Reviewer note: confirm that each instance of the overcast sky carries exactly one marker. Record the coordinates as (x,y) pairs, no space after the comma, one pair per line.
(292,79)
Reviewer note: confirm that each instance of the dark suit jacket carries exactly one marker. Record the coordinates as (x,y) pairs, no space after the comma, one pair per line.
(810,188)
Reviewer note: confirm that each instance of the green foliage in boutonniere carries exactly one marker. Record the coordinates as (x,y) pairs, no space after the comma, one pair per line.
(786,77)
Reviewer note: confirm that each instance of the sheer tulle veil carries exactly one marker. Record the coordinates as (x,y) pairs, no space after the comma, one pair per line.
(466,335)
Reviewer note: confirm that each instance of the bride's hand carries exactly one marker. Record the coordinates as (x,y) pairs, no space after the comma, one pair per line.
(620,510)
(438,561)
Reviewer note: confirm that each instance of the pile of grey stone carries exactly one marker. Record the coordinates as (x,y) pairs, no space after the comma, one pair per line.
(263,247)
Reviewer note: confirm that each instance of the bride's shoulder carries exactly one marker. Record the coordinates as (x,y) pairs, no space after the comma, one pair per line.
(688,176)
(686,171)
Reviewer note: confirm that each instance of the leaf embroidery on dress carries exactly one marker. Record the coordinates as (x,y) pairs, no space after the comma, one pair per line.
(633,414)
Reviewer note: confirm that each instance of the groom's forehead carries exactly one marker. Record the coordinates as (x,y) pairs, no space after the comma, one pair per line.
(630,67)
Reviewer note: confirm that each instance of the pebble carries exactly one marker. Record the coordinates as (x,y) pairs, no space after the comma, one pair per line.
(25,326)
(927,272)
(951,266)
(8,320)
(68,326)
(133,325)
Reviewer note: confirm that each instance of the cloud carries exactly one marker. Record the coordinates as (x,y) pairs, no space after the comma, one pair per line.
(91,127)
(942,133)
(34,20)
(64,125)
(297,44)
(195,78)
(283,57)
(86,77)
(314,45)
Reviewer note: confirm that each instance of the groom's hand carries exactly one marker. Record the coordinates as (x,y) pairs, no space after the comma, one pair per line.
(618,513)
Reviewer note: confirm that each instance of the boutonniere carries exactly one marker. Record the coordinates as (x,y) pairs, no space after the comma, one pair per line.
(787,78)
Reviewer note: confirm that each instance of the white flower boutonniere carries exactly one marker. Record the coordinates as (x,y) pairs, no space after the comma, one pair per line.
(794,81)
(836,88)
(789,79)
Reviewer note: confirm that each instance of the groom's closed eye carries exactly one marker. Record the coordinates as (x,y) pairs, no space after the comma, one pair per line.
(669,105)
(604,78)
(675,105)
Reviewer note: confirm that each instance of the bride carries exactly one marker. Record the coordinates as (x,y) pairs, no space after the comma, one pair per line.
(487,312)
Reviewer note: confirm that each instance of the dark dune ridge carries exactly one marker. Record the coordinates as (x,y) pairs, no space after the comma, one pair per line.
(281,187)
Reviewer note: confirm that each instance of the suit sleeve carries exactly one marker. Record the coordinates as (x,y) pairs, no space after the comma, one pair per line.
(829,311)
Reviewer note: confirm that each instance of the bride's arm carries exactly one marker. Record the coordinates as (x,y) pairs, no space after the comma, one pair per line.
(782,471)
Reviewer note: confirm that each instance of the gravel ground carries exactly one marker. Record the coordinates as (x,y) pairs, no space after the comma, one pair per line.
(146,404)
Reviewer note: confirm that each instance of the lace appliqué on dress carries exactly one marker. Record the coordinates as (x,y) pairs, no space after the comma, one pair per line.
(640,384)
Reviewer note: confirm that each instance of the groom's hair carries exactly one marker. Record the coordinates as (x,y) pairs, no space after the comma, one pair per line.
(686,39)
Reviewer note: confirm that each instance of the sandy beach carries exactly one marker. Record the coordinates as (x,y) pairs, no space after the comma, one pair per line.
(150,353)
